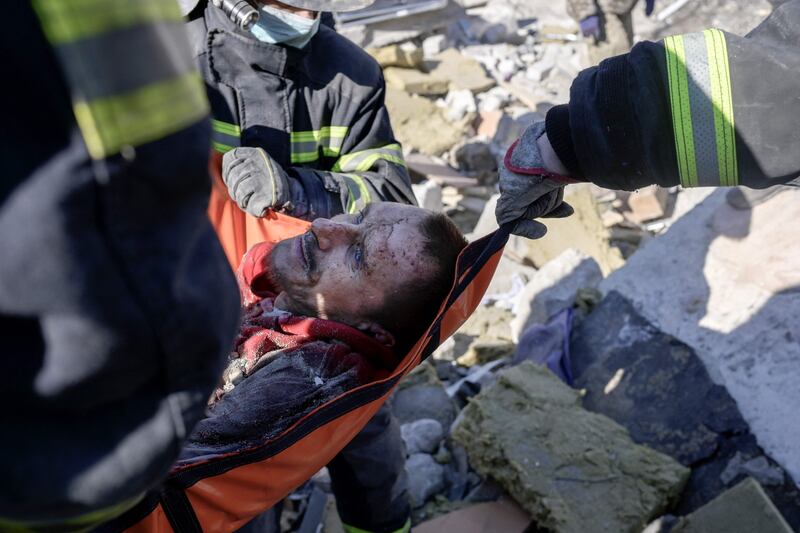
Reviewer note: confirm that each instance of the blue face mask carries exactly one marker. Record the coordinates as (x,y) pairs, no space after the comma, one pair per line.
(279,26)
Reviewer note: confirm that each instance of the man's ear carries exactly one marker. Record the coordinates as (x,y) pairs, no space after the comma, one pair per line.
(378,332)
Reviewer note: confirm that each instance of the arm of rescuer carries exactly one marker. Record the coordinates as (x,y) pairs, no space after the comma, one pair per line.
(117,305)
(701,109)
(365,164)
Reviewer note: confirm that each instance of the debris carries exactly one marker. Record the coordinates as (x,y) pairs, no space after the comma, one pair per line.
(743,509)
(416,82)
(433,45)
(548,345)
(422,436)
(572,470)
(665,398)
(725,282)
(758,468)
(421,395)
(398,56)
(489,517)
(648,203)
(484,351)
(428,168)
(463,72)
(584,231)
(553,288)
(477,159)
(425,478)
(459,104)
(419,124)
(428,194)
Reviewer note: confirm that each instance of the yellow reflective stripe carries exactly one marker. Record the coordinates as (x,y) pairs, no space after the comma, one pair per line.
(353,529)
(226,128)
(722,101)
(79,524)
(358,197)
(305,157)
(335,132)
(142,115)
(221,147)
(65,21)
(681,109)
(391,152)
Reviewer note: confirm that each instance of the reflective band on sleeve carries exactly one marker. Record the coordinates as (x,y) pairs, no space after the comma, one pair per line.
(365,159)
(79,524)
(359,195)
(352,529)
(66,21)
(114,106)
(307,145)
(702,108)
(225,136)
(141,116)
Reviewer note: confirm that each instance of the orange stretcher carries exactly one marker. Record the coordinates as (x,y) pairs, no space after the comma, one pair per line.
(224,492)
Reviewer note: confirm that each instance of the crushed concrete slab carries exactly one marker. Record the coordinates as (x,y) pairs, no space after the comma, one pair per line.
(658,389)
(743,509)
(416,82)
(428,195)
(419,124)
(648,203)
(553,288)
(572,470)
(422,166)
(584,231)
(463,72)
(726,283)
(398,56)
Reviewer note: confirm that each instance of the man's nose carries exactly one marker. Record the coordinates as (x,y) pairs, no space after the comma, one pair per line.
(330,233)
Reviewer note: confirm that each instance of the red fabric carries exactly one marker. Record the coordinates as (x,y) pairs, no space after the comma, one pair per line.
(265,329)
(535,171)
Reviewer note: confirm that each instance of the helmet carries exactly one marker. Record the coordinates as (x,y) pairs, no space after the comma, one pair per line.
(334,6)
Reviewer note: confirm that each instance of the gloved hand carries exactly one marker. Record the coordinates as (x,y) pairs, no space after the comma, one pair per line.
(590,27)
(649,6)
(527,189)
(255,181)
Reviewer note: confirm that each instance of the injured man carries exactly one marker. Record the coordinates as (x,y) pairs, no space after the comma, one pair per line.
(326,311)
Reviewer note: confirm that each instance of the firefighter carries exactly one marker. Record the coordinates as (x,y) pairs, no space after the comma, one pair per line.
(299,118)
(111,345)
(698,110)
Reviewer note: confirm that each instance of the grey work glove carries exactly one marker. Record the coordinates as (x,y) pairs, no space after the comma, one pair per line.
(255,181)
(527,189)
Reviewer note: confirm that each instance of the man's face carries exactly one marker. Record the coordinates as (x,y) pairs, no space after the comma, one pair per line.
(346,267)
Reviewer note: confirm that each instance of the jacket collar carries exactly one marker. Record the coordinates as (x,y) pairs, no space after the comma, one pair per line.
(273,58)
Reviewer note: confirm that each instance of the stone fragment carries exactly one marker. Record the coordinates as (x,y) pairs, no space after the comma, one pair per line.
(725,282)
(648,203)
(656,387)
(539,71)
(553,288)
(743,509)
(484,351)
(428,194)
(476,157)
(433,45)
(459,104)
(419,124)
(422,436)
(463,72)
(489,517)
(584,231)
(397,56)
(422,395)
(416,82)
(572,470)
(425,167)
(489,121)
(425,478)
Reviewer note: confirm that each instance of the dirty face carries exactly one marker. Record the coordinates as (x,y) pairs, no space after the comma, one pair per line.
(346,267)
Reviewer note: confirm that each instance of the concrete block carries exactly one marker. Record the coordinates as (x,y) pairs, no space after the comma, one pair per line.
(416,82)
(428,194)
(419,124)
(397,56)
(425,167)
(648,203)
(572,470)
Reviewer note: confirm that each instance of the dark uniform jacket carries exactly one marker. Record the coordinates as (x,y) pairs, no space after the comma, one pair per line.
(117,306)
(319,112)
(701,109)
